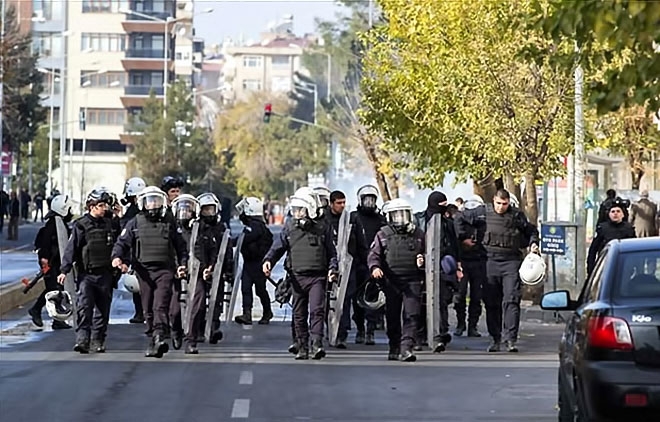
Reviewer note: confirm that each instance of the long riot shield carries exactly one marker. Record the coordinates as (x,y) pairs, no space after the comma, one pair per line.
(191,286)
(231,290)
(432,265)
(338,289)
(215,286)
(70,282)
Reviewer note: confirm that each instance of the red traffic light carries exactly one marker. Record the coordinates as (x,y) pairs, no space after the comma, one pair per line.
(268,108)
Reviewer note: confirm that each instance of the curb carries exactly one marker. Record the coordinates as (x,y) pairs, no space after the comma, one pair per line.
(11,296)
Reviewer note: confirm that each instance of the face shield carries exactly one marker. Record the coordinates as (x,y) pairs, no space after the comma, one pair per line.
(399,217)
(153,202)
(368,201)
(185,210)
(298,212)
(209,210)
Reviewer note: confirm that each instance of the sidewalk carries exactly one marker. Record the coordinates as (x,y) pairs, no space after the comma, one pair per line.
(27,231)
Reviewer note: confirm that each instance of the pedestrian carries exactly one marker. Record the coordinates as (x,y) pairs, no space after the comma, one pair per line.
(614,228)
(14,216)
(25,200)
(4,208)
(39,206)
(643,216)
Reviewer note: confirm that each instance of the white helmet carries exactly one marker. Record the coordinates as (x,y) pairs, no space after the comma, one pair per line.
(251,206)
(185,207)
(307,191)
(134,186)
(303,202)
(131,282)
(475,201)
(398,212)
(371,296)
(532,270)
(151,201)
(60,205)
(364,196)
(207,199)
(323,194)
(59,305)
(513,200)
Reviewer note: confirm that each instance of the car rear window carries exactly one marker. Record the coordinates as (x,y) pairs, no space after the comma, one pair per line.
(639,275)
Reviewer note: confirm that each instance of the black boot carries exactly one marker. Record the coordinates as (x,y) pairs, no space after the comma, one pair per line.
(216,336)
(150,352)
(82,347)
(60,325)
(408,356)
(36,317)
(303,351)
(460,329)
(369,340)
(317,350)
(393,353)
(293,348)
(359,337)
(137,319)
(98,346)
(473,332)
(177,340)
(160,346)
(246,318)
(191,349)
(267,316)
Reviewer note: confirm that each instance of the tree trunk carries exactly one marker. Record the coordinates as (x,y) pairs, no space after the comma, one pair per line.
(637,175)
(485,187)
(533,293)
(393,185)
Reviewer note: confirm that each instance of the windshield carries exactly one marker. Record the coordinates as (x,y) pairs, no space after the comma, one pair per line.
(638,275)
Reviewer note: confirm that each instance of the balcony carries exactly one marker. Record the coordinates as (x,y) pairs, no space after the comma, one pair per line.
(142,90)
(161,15)
(145,53)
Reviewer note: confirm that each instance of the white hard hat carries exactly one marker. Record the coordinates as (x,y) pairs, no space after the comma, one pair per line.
(371,296)
(59,305)
(307,202)
(60,205)
(131,282)
(473,202)
(532,270)
(251,206)
(398,212)
(134,186)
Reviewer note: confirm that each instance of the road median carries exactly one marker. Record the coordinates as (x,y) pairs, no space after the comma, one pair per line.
(12,296)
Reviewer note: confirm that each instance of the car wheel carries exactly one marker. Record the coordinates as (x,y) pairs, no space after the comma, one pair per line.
(566,411)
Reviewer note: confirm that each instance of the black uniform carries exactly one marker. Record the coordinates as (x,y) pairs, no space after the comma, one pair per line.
(366,224)
(506,235)
(310,255)
(395,251)
(604,233)
(47,247)
(471,224)
(206,251)
(130,213)
(90,248)
(153,247)
(176,323)
(256,243)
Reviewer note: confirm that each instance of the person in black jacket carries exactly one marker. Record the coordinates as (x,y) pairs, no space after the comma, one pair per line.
(614,228)
(257,241)
(47,246)
(153,246)
(89,248)
(132,188)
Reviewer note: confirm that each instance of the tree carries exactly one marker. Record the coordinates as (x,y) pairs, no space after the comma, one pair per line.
(607,32)
(341,42)
(267,159)
(39,159)
(158,149)
(22,113)
(467,87)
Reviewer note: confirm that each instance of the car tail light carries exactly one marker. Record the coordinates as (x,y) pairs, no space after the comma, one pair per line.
(609,333)
(636,400)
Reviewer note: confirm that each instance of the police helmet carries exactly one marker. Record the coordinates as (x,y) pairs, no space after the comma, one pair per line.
(323,194)
(367,196)
(130,282)
(398,212)
(303,206)
(371,297)
(532,270)
(250,206)
(306,190)
(151,201)
(473,202)
(59,305)
(60,205)
(170,182)
(98,195)
(133,186)
(186,208)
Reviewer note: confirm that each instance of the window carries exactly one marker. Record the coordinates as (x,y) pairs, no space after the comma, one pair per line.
(252,61)
(47,44)
(251,84)
(280,61)
(47,9)
(104,6)
(281,84)
(106,116)
(103,42)
(638,275)
(146,78)
(103,80)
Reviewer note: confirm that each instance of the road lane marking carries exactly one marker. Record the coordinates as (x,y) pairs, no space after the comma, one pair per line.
(247,337)
(246,378)
(247,327)
(241,408)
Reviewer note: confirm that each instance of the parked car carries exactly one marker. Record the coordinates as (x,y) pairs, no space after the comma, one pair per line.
(609,354)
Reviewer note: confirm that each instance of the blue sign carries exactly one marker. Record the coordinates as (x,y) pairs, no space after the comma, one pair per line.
(553,240)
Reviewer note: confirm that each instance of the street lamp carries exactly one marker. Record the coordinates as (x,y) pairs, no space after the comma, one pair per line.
(305,86)
(166,33)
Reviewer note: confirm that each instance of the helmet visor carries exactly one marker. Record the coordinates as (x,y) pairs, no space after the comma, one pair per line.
(368,201)
(298,212)
(209,210)
(185,210)
(399,217)
(152,202)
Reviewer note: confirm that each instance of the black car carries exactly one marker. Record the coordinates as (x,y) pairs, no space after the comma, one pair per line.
(609,354)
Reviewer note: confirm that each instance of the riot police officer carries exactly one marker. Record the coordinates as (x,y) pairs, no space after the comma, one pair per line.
(132,188)
(311,259)
(470,228)
(48,252)
(615,227)
(90,248)
(152,244)
(397,254)
(507,232)
(256,243)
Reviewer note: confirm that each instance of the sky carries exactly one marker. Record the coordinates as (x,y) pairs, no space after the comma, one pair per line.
(250,17)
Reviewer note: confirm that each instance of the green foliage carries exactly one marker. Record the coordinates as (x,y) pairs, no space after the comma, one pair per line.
(22,112)
(159,153)
(267,159)
(621,36)
(39,159)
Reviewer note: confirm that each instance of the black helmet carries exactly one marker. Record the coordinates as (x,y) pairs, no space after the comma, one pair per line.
(98,195)
(371,297)
(170,182)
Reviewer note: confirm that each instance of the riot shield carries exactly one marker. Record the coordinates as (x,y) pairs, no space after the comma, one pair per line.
(231,290)
(190,286)
(215,286)
(432,265)
(70,282)
(338,288)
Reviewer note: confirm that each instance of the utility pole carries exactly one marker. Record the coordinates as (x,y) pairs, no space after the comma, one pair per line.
(577,199)
(2,81)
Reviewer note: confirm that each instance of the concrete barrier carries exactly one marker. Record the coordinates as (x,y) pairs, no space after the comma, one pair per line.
(12,296)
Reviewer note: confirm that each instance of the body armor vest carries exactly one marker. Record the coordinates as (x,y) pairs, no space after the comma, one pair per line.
(153,242)
(501,231)
(401,253)
(307,254)
(97,251)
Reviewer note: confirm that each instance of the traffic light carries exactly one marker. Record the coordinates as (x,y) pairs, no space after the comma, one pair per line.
(268,111)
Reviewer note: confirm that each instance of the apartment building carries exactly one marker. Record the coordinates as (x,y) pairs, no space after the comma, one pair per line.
(108,56)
